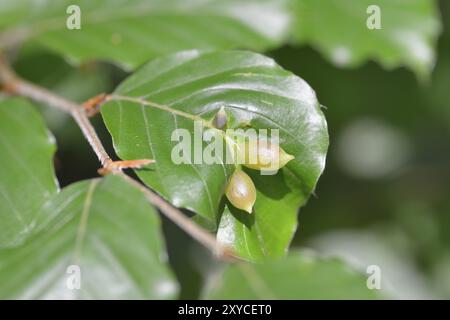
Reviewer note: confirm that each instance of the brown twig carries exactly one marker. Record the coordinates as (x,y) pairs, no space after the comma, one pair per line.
(92,106)
(190,227)
(13,84)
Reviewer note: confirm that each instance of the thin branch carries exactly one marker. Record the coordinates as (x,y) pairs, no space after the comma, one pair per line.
(17,86)
(184,222)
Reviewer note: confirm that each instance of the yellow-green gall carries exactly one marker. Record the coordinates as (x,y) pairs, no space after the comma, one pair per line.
(220,119)
(241,191)
(262,155)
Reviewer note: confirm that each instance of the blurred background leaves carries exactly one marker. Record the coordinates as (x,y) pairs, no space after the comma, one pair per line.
(406,36)
(400,205)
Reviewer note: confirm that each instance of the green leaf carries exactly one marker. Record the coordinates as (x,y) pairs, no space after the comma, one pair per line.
(256,91)
(131,31)
(106,228)
(27,177)
(338,28)
(302,275)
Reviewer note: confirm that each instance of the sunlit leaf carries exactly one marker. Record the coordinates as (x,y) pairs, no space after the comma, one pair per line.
(255,91)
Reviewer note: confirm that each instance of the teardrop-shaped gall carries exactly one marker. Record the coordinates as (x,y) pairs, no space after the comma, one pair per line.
(262,155)
(241,191)
(220,119)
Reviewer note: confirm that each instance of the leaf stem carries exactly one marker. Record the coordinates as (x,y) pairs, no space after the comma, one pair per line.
(13,84)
